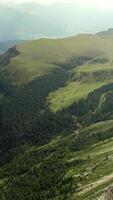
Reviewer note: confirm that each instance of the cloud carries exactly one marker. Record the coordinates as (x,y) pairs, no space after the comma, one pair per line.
(99,4)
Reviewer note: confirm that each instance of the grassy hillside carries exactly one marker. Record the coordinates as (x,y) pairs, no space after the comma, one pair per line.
(74,91)
(56,119)
(54,74)
(40,57)
(59,170)
(86,79)
(63,50)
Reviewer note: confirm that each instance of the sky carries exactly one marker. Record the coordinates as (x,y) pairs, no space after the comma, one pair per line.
(57,18)
(99,4)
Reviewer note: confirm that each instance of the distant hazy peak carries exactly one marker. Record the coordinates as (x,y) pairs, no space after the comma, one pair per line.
(107,33)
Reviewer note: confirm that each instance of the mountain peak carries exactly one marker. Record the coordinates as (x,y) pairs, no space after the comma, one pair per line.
(106,33)
(110,29)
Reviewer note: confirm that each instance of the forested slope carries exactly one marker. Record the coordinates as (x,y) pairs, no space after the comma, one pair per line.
(56,119)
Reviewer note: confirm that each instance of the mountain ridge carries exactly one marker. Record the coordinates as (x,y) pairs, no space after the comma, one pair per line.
(56,119)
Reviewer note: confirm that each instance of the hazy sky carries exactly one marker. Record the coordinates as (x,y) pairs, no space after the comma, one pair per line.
(99,4)
(63,19)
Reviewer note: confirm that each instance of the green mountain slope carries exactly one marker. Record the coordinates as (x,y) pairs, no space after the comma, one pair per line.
(61,170)
(56,119)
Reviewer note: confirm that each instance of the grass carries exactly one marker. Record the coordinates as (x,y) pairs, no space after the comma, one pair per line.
(62,50)
(97,169)
(98,165)
(90,77)
(91,68)
(93,169)
(40,57)
(100,126)
(88,165)
(102,100)
(22,71)
(71,93)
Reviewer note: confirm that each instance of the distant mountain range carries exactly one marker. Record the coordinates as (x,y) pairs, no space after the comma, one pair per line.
(30,21)
(4,46)
(107,34)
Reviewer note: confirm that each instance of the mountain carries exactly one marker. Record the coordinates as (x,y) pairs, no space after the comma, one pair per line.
(108,33)
(56,119)
(4,46)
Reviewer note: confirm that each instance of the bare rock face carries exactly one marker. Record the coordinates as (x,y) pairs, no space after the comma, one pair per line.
(108,194)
